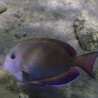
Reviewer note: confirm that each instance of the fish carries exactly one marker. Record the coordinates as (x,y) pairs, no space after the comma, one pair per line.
(47,62)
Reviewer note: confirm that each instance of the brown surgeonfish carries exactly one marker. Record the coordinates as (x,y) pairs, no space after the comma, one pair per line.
(46,61)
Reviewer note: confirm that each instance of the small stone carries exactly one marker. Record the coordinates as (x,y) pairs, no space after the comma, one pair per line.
(17,36)
(1,51)
(3,10)
(21,95)
(3,7)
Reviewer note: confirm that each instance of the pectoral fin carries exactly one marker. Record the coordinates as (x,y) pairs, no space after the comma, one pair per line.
(25,75)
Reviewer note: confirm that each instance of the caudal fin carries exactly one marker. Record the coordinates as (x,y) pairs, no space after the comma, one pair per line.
(86,62)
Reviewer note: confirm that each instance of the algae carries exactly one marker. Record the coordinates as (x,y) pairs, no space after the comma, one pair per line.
(9,82)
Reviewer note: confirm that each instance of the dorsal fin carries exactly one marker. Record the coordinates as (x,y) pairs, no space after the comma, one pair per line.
(69,48)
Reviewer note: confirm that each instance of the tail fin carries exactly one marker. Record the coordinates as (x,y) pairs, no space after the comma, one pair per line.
(86,62)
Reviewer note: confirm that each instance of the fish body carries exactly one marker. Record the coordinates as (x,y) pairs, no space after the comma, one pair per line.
(45,61)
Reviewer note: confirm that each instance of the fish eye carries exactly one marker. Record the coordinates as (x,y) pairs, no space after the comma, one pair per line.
(13,56)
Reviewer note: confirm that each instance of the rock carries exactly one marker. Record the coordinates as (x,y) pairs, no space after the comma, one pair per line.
(7,94)
(86,26)
(87,37)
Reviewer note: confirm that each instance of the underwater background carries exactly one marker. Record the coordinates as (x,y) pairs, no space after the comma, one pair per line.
(72,21)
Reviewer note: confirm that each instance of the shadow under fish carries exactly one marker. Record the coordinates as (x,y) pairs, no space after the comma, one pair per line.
(47,62)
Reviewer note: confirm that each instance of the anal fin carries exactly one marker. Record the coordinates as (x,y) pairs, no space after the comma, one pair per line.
(64,78)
